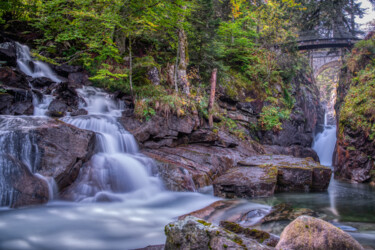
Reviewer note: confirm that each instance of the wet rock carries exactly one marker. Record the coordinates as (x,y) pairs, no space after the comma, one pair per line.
(175,177)
(63,148)
(41,82)
(60,148)
(16,102)
(13,78)
(78,79)
(285,211)
(310,233)
(245,182)
(8,54)
(193,233)
(258,235)
(65,69)
(28,189)
(57,108)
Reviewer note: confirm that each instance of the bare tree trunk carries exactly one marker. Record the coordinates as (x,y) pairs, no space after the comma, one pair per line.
(182,66)
(176,67)
(212,98)
(130,66)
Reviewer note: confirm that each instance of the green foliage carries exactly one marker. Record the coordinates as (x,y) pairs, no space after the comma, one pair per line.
(271,118)
(358,110)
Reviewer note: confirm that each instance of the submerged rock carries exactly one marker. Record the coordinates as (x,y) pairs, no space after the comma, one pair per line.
(310,233)
(194,233)
(285,211)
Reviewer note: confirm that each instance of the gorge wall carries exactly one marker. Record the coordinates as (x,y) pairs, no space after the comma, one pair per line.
(355,149)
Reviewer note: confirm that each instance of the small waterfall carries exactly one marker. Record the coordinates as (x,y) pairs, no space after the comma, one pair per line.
(31,67)
(35,69)
(117,167)
(324,146)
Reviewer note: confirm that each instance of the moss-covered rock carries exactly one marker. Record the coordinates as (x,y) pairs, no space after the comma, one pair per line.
(194,233)
(310,233)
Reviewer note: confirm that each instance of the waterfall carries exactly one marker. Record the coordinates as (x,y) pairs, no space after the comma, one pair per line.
(32,67)
(324,146)
(117,167)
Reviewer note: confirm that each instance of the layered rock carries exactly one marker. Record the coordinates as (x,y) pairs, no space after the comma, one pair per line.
(262,175)
(310,233)
(193,233)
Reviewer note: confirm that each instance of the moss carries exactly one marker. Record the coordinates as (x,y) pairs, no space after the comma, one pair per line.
(204,223)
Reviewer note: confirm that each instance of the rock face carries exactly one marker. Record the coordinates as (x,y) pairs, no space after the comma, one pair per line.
(27,189)
(52,148)
(243,182)
(262,175)
(193,233)
(306,114)
(310,233)
(355,149)
(63,149)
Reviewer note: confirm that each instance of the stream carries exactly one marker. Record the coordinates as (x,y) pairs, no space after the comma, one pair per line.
(142,206)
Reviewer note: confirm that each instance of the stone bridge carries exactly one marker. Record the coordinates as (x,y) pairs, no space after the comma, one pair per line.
(321,60)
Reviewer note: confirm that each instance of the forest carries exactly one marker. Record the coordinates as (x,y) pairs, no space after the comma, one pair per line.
(187,124)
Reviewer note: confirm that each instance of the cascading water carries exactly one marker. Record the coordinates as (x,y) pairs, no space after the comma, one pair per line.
(117,167)
(32,67)
(35,69)
(324,144)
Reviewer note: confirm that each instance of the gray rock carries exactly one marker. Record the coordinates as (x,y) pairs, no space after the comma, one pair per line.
(314,234)
(245,182)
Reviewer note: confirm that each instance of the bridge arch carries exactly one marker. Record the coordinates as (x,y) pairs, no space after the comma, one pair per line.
(332,64)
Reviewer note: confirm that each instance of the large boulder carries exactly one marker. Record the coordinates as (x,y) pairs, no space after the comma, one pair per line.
(261,175)
(20,187)
(52,148)
(310,233)
(245,182)
(193,233)
(63,149)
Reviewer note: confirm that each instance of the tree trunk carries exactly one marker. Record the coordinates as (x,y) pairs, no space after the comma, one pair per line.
(212,98)
(182,66)
(175,78)
(130,66)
